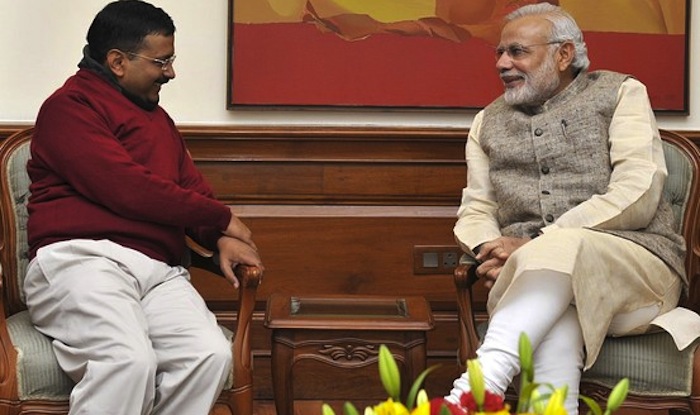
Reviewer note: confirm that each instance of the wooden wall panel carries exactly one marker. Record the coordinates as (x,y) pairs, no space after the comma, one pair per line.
(313,182)
(360,255)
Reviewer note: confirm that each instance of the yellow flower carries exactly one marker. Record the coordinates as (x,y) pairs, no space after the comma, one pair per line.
(422,409)
(504,411)
(555,405)
(389,407)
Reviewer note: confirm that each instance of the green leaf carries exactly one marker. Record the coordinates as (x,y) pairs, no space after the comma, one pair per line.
(527,373)
(410,401)
(349,409)
(593,406)
(525,350)
(526,392)
(326,409)
(617,396)
(389,373)
(444,410)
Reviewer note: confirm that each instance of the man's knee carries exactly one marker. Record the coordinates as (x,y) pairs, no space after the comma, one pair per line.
(216,350)
(565,339)
(139,365)
(223,353)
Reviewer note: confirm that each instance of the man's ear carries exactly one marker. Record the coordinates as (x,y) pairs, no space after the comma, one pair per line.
(565,56)
(116,60)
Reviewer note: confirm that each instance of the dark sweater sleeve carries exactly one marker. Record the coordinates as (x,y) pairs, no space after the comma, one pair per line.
(192,179)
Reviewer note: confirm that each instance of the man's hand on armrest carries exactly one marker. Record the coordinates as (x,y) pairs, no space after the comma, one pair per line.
(232,252)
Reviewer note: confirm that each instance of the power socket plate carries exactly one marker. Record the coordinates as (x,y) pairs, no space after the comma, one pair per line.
(435,259)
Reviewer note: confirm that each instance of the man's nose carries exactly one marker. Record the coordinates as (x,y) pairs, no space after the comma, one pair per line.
(504,62)
(169,72)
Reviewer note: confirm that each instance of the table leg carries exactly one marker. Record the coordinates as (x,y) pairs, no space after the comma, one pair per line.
(415,361)
(282,361)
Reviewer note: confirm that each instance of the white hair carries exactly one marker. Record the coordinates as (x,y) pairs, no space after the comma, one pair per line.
(564,28)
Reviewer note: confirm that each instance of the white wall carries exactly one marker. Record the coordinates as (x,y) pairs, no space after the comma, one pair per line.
(41,43)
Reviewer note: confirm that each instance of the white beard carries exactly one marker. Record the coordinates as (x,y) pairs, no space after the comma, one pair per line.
(538,87)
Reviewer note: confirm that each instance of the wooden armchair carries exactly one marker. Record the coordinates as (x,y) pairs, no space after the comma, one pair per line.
(30,379)
(661,377)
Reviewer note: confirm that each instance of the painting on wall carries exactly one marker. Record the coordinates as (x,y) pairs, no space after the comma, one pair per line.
(431,54)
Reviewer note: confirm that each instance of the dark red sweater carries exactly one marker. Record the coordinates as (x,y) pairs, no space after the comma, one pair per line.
(104,168)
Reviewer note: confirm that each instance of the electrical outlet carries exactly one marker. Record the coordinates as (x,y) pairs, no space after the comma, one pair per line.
(435,259)
(450,260)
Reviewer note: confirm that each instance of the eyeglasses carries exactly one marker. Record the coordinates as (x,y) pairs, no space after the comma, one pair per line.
(165,64)
(517,51)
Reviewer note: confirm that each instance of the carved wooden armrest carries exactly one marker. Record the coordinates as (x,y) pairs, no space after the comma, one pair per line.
(3,307)
(464,279)
(248,276)
(464,274)
(198,249)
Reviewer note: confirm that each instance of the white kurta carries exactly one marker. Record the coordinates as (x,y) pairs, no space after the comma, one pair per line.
(606,270)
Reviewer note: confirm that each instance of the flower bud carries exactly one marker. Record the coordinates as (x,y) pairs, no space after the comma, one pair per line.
(476,382)
(618,395)
(525,350)
(389,373)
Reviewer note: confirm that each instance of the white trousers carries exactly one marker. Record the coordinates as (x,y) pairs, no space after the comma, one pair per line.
(132,332)
(540,304)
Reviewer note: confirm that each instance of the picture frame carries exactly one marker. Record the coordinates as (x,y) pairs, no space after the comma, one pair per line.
(321,54)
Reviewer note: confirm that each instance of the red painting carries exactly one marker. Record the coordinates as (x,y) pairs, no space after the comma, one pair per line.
(431,54)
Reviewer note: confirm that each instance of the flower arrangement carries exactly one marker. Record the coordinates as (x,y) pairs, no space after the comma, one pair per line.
(478,400)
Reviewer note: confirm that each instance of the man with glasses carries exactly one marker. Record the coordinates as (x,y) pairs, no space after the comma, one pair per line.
(563,209)
(113,194)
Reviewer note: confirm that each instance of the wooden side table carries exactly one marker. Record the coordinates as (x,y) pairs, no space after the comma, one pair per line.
(344,332)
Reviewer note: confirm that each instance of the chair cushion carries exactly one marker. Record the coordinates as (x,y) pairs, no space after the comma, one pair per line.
(677,186)
(39,375)
(652,363)
(19,183)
